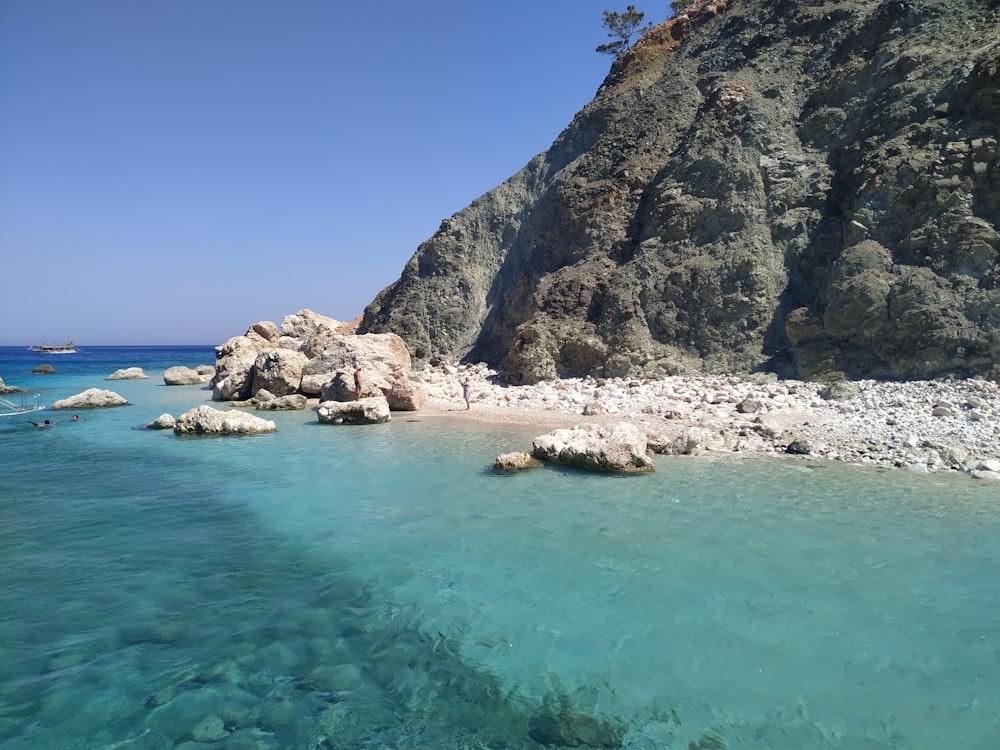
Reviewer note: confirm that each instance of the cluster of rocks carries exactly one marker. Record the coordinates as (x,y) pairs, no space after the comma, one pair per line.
(312,356)
(177,375)
(919,426)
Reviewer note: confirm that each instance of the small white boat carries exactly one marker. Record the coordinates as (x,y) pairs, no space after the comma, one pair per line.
(25,404)
(66,348)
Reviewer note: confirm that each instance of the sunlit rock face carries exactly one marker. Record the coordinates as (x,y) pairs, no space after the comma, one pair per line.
(799,186)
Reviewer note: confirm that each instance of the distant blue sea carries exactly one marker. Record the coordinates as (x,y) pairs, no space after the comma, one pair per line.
(381,587)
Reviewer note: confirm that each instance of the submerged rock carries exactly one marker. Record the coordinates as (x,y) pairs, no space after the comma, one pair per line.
(559,724)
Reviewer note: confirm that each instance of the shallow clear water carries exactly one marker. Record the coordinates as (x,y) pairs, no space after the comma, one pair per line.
(380,586)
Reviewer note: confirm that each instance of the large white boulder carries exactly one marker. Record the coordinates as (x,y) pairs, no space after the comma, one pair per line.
(615,447)
(234,362)
(92,398)
(129,373)
(278,371)
(406,395)
(180,375)
(371,410)
(207,420)
(382,357)
(309,332)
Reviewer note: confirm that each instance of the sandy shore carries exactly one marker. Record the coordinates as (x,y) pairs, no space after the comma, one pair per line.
(920,426)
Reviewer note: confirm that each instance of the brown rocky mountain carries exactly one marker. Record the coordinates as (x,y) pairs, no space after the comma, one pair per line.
(805,186)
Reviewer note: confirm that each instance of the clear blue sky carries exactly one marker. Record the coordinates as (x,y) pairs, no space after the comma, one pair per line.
(172,171)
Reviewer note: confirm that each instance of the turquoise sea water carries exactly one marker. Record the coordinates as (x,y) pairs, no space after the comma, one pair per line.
(381,587)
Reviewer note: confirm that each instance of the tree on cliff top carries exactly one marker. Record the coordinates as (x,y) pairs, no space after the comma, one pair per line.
(621,28)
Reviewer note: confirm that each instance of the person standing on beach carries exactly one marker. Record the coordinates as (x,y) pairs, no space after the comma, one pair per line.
(357,383)
(465,392)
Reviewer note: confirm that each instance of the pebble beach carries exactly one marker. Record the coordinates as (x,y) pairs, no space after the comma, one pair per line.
(917,426)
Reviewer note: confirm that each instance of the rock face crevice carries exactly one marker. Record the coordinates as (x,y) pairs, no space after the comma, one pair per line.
(806,186)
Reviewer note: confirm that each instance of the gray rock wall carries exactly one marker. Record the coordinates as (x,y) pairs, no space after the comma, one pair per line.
(803,186)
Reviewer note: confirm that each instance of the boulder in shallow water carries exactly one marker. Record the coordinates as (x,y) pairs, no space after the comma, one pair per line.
(92,398)
(180,375)
(43,370)
(209,729)
(372,410)
(615,447)
(162,422)
(516,461)
(129,373)
(561,725)
(204,420)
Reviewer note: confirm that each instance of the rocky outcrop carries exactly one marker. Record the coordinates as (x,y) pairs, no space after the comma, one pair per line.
(204,420)
(614,447)
(128,373)
(313,355)
(808,187)
(4,388)
(43,370)
(371,410)
(92,398)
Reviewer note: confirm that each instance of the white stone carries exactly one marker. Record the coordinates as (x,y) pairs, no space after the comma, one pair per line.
(92,398)
(206,420)
(129,373)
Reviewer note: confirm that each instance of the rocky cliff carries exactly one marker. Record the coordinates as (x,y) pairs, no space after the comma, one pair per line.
(805,186)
